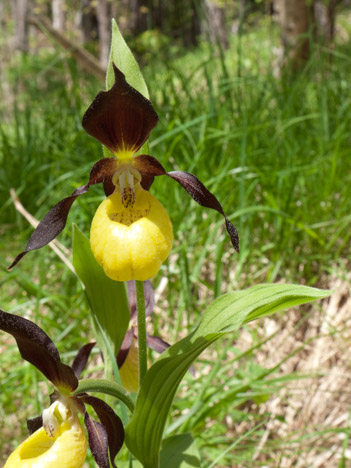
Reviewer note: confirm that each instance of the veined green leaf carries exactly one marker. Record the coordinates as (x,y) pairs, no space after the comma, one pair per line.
(179,451)
(107,298)
(227,313)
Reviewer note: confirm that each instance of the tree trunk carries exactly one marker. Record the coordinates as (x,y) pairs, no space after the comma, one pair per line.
(139,16)
(19,13)
(296,20)
(58,14)
(86,22)
(216,26)
(325,20)
(104,28)
(188,21)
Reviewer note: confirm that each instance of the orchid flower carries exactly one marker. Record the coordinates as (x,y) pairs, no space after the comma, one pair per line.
(57,437)
(131,233)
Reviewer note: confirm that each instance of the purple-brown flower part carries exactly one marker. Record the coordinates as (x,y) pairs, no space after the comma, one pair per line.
(120,118)
(81,358)
(150,166)
(55,220)
(111,424)
(37,348)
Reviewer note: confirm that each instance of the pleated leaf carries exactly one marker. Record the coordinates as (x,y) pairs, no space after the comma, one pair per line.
(226,314)
(179,451)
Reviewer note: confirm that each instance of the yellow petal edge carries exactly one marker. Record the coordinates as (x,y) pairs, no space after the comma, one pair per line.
(67,449)
(129,372)
(131,242)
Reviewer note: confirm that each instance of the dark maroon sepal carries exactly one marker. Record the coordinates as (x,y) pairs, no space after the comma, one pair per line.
(146,181)
(148,165)
(34,424)
(97,438)
(125,346)
(120,118)
(109,186)
(149,298)
(55,220)
(156,343)
(204,197)
(113,427)
(81,358)
(37,348)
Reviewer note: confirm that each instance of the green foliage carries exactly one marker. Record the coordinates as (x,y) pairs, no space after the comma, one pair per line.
(226,314)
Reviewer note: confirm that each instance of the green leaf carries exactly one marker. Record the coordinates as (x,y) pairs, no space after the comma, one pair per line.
(123,58)
(179,451)
(226,314)
(107,298)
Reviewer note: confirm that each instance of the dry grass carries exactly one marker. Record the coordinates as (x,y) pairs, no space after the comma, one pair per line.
(315,409)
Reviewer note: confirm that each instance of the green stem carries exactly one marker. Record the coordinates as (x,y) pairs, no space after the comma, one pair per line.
(141,330)
(108,388)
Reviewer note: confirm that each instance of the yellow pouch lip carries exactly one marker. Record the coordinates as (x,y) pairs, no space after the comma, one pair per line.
(66,449)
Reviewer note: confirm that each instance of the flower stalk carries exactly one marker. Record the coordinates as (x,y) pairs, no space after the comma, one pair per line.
(141,330)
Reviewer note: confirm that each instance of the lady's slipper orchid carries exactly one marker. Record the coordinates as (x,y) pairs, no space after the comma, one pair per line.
(59,439)
(122,119)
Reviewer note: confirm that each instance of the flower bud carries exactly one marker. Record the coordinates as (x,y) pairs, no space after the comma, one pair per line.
(131,242)
(66,449)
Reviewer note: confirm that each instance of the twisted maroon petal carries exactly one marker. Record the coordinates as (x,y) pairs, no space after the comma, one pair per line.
(81,358)
(110,433)
(37,348)
(55,220)
(150,166)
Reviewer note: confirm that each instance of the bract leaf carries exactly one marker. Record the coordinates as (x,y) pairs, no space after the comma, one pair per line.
(227,313)
(112,423)
(122,57)
(81,358)
(107,298)
(179,451)
(37,348)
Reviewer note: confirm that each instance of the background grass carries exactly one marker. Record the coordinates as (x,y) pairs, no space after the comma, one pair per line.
(276,152)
